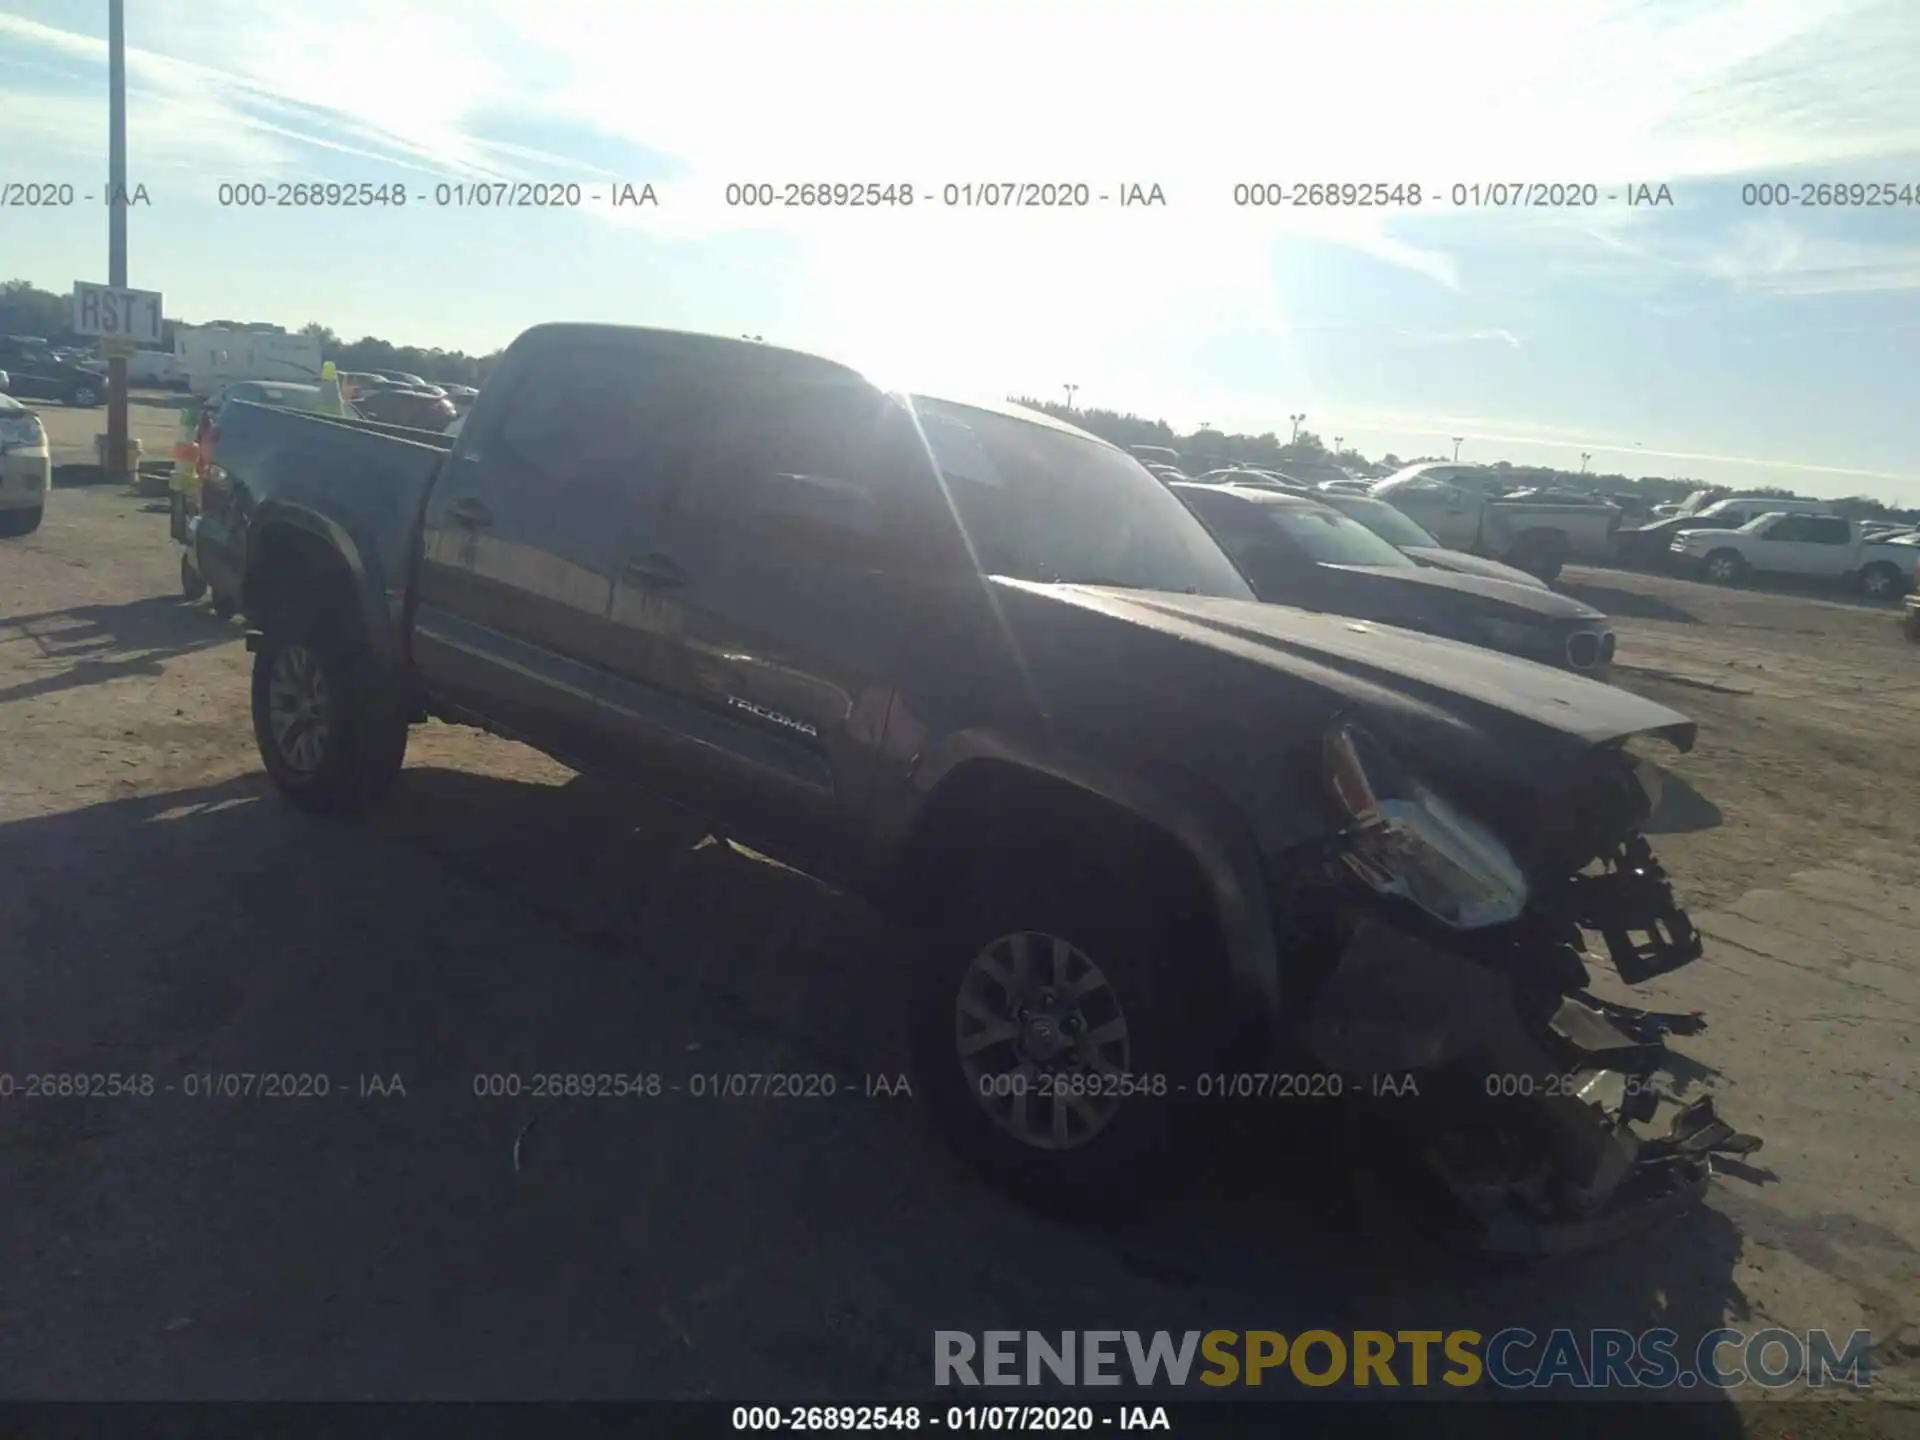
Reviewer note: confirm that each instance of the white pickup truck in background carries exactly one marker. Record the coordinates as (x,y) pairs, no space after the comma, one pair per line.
(1815,547)
(1465,507)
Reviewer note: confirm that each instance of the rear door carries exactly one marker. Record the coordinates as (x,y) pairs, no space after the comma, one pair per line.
(1827,547)
(762,603)
(524,531)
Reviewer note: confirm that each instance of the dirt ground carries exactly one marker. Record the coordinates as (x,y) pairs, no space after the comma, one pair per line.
(161,914)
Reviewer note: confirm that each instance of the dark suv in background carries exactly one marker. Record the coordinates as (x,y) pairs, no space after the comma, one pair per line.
(34,374)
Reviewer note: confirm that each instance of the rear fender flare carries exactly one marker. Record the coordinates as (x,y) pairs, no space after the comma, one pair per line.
(274,524)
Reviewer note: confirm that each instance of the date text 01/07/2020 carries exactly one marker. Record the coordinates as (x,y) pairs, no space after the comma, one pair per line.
(951,195)
(960,1418)
(446,195)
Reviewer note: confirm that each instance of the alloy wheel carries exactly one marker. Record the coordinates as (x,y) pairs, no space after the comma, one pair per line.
(297,700)
(1042,1040)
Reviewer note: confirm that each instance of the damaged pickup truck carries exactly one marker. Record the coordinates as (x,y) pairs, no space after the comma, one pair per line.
(981,667)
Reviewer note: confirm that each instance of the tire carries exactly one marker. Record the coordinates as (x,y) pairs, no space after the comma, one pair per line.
(85,396)
(192,586)
(1881,581)
(21,522)
(1724,567)
(349,761)
(1123,1152)
(1542,556)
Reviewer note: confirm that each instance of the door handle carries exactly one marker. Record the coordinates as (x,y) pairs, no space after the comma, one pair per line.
(469,511)
(656,571)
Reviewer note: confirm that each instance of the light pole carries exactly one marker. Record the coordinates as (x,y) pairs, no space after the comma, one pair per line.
(1338,441)
(1070,389)
(1456,445)
(1296,419)
(1584,458)
(117,227)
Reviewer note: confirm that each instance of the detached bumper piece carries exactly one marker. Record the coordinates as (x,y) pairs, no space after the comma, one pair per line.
(1631,906)
(1534,1133)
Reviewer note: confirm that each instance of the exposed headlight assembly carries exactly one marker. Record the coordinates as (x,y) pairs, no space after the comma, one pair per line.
(1404,840)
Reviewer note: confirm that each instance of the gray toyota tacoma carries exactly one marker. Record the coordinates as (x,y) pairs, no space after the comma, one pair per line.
(1166,845)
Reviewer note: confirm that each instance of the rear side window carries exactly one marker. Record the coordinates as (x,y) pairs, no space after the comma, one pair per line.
(595,412)
(1823,530)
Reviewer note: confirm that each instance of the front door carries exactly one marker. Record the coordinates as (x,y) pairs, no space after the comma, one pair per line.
(765,607)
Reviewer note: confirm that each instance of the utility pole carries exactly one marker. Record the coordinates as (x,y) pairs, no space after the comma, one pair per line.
(1456,445)
(117,466)
(1070,389)
(1296,419)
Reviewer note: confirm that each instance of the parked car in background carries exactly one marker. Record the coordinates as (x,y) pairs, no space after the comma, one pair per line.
(26,468)
(403,377)
(1238,475)
(1298,550)
(1308,470)
(158,368)
(1817,547)
(1651,546)
(1151,455)
(37,374)
(976,666)
(420,409)
(1462,506)
(461,395)
(1399,531)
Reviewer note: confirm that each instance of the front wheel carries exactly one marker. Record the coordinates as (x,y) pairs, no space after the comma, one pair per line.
(85,396)
(331,740)
(21,522)
(1725,567)
(1054,1035)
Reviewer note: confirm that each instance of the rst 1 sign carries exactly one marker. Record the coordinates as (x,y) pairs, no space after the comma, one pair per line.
(109,310)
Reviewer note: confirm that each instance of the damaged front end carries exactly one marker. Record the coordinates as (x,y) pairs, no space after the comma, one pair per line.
(1539,1103)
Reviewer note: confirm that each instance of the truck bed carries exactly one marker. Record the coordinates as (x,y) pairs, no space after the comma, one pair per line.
(359,482)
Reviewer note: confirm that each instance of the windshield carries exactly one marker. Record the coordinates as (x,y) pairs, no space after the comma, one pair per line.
(1046,505)
(1331,538)
(1382,519)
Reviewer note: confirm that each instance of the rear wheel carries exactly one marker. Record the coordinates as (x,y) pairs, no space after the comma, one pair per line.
(1055,1027)
(1542,554)
(1725,567)
(331,740)
(191,584)
(21,522)
(86,395)
(1882,581)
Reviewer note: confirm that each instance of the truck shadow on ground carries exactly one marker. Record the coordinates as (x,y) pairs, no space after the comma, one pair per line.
(94,643)
(484,1245)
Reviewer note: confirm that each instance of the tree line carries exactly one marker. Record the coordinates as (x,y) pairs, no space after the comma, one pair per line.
(27,310)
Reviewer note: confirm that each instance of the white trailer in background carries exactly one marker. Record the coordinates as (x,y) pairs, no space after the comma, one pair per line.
(212,356)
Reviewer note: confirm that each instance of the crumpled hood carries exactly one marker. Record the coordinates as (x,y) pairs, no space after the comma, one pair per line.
(1241,692)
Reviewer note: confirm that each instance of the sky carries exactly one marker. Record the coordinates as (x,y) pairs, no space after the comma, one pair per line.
(1713,336)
